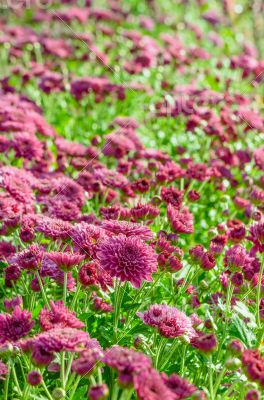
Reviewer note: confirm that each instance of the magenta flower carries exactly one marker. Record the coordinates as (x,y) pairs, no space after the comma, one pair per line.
(10,304)
(30,258)
(127,362)
(128,229)
(54,228)
(127,258)
(180,220)
(98,392)
(65,260)
(206,343)
(87,360)
(14,327)
(149,385)
(58,317)
(257,236)
(34,378)
(179,386)
(169,321)
(235,257)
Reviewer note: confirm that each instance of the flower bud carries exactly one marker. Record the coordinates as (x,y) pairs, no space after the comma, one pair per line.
(58,394)
(232,364)
(34,378)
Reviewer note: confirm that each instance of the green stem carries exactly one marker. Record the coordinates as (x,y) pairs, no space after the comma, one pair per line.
(43,291)
(65,287)
(183,360)
(160,348)
(115,392)
(119,293)
(68,370)
(218,381)
(126,394)
(62,371)
(16,380)
(171,352)
(211,385)
(259,292)
(76,296)
(7,383)
(76,383)
(47,391)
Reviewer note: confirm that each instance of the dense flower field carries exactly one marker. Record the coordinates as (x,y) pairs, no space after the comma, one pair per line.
(131,202)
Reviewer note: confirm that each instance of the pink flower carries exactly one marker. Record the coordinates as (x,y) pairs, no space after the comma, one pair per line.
(127,362)
(3,368)
(172,196)
(34,378)
(179,386)
(207,261)
(127,258)
(205,342)
(235,257)
(54,228)
(87,360)
(30,258)
(65,260)
(257,235)
(58,317)
(14,327)
(169,321)
(10,304)
(128,229)
(149,385)
(180,220)
(98,392)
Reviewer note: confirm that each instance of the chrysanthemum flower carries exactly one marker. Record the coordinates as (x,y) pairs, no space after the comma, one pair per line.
(127,258)
(65,260)
(179,386)
(205,342)
(180,220)
(127,362)
(169,321)
(98,392)
(58,317)
(14,327)
(34,378)
(10,304)
(54,228)
(235,257)
(149,385)
(128,229)
(31,258)
(87,360)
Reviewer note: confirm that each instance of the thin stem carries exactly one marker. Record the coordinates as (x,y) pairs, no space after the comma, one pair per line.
(119,293)
(100,378)
(183,360)
(126,394)
(259,292)
(76,296)
(68,370)
(160,348)
(218,381)
(76,383)
(211,385)
(115,392)
(171,352)
(47,391)
(43,291)
(65,287)
(16,380)
(7,383)
(62,370)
